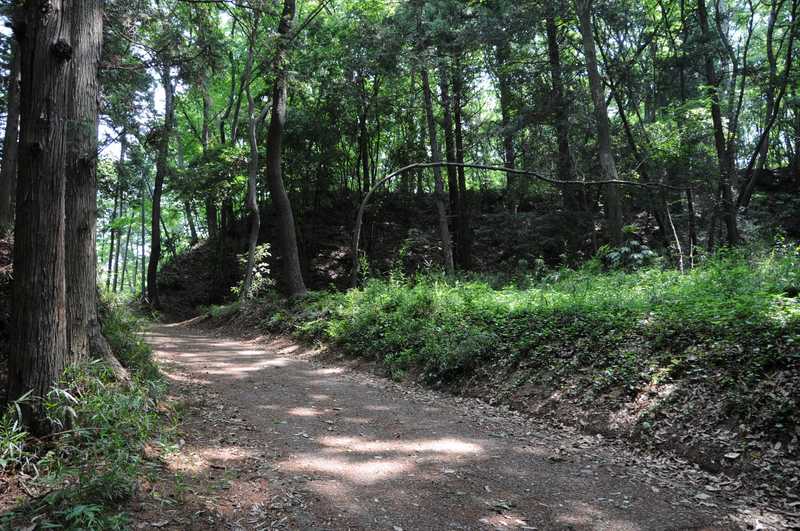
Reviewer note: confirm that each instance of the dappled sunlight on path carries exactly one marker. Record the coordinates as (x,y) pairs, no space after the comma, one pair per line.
(302,446)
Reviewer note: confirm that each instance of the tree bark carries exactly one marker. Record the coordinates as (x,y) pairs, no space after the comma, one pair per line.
(723,155)
(509,155)
(39,341)
(118,250)
(161,173)
(123,145)
(253,123)
(465,238)
(571,195)
(441,205)
(187,211)
(252,195)
(8,174)
(84,333)
(743,200)
(143,270)
(608,167)
(287,237)
(450,156)
(125,256)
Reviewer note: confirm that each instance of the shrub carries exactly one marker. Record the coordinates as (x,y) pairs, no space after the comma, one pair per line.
(91,464)
(569,319)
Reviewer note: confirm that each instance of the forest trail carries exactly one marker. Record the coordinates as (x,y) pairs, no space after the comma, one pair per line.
(273,439)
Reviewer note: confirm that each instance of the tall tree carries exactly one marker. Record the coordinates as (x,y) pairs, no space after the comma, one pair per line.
(571,195)
(162,167)
(81,185)
(724,158)
(608,166)
(8,173)
(441,205)
(39,350)
(287,237)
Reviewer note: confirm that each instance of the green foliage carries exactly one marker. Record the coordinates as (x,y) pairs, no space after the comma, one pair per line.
(731,317)
(218,311)
(262,281)
(122,328)
(13,437)
(629,257)
(91,464)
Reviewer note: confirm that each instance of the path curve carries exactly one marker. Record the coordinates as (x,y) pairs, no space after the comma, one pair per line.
(272,439)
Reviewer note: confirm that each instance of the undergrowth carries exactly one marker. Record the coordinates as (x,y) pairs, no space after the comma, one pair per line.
(79,477)
(735,316)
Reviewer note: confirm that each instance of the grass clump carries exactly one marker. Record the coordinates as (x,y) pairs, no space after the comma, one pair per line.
(80,477)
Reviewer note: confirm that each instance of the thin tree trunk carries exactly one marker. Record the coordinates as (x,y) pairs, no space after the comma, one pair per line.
(743,200)
(465,238)
(161,172)
(723,155)
(363,147)
(571,195)
(118,250)
(658,204)
(143,270)
(8,174)
(795,164)
(287,237)
(441,205)
(125,257)
(509,154)
(211,206)
(113,231)
(608,167)
(772,83)
(252,194)
(114,236)
(450,156)
(187,211)
(252,167)
(135,276)
(39,340)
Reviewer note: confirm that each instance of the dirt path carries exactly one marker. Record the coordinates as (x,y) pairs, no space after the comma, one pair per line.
(272,439)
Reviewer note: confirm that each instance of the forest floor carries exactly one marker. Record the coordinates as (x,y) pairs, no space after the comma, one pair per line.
(275,437)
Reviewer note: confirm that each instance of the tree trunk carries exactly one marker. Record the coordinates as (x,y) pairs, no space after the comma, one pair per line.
(450,156)
(252,195)
(509,155)
(125,256)
(441,205)
(187,211)
(84,335)
(39,341)
(465,238)
(118,250)
(8,174)
(794,170)
(773,106)
(723,155)
(143,270)
(763,149)
(112,230)
(211,206)
(287,237)
(363,148)
(161,172)
(607,165)
(571,195)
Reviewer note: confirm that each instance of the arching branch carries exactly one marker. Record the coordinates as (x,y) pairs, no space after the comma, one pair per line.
(422,165)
